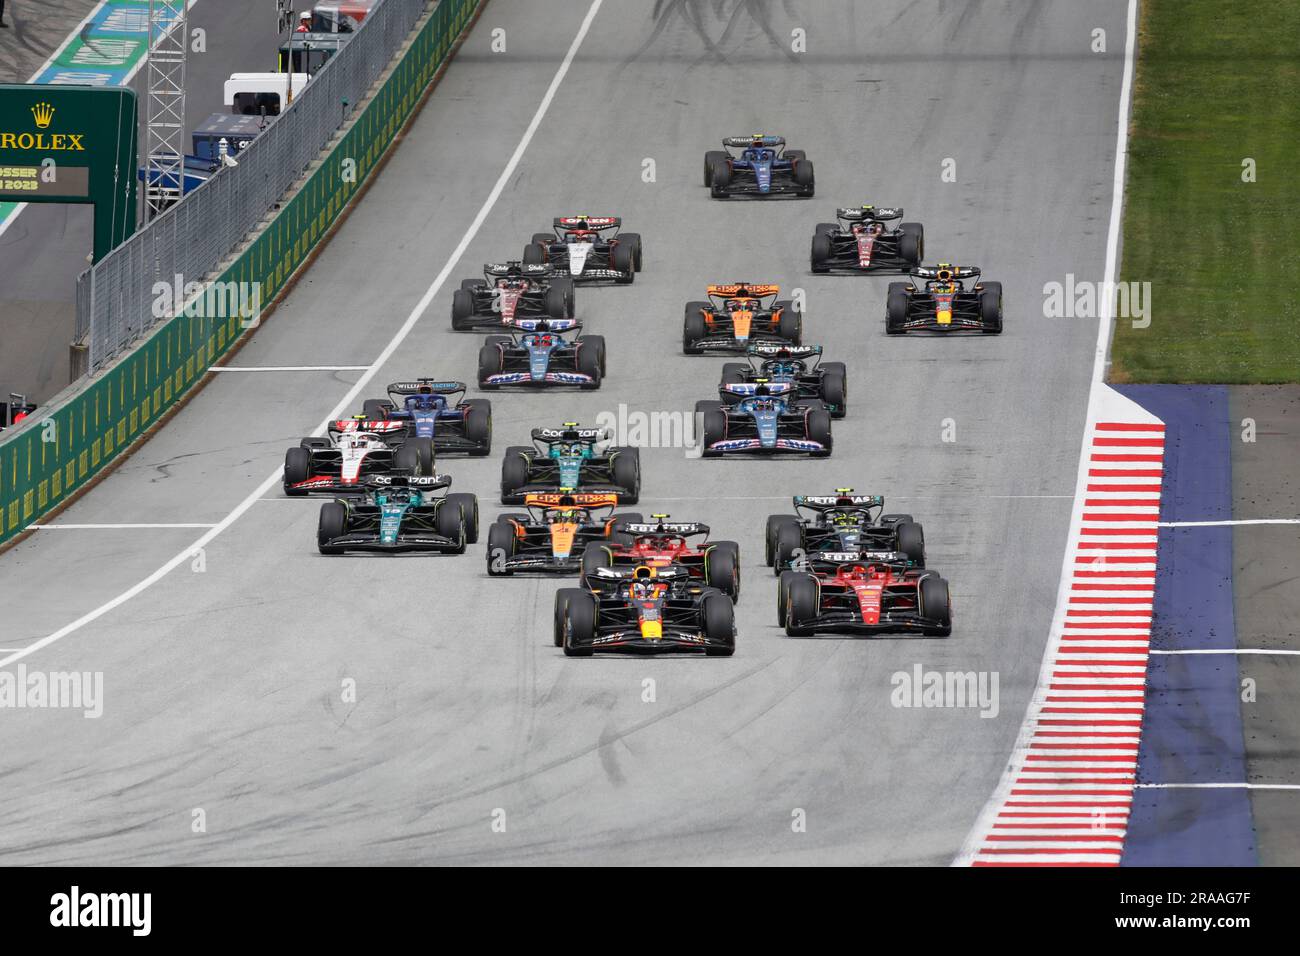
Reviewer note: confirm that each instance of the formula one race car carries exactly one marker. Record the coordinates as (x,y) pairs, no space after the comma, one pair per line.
(762,167)
(862,242)
(398,513)
(840,523)
(352,450)
(763,417)
(509,291)
(567,459)
(885,593)
(943,303)
(555,534)
(588,249)
(826,382)
(539,356)
(738,314)
(661,543)
(645,610)
(424,409)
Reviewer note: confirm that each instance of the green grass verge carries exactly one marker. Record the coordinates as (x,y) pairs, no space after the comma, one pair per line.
(1217,83)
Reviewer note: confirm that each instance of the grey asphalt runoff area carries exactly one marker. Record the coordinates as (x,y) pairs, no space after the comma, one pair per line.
(224,680)
(46,247)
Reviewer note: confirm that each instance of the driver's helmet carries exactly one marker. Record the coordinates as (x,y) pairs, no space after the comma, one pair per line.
(565,515)
(844,519)
(782,367)
(740,305)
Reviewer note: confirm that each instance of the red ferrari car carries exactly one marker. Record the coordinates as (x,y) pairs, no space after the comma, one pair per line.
(661,543)
(887,594)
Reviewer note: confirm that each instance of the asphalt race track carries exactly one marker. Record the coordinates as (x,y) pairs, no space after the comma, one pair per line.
(222,679)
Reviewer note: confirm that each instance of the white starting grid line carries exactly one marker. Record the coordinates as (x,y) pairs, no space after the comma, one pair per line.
(1226,524)
(1264,651)
(288,368)
(116,527)
(1216,786)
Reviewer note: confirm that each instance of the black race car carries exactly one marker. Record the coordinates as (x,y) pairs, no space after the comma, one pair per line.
(539,356)
(942,302)
(644,610)
(588,249)
(555,533)
(814,380)
(511,290)
(861,241)
(397,513)
(567,459)
(840,523)
(758,165)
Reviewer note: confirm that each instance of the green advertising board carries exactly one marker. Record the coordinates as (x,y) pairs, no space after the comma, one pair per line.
(72,144)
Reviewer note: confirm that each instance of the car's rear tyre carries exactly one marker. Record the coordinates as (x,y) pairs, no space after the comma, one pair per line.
(462,310)
(911,542)
(788,543)
(633,241)
(595,556)
(333,524)
(790,326)
(627,474)
(500,547)
(819,430)
(801,601)
(711,157)
(774,522)
(936,605)
(478,427)
(297,468)
(375,409)
(805,179)
(722,568)
(820,254)
(734,373)
(693,328)
(596,344)
(424,451)
(514,474)
(718,621)
(542,239)
(470,285)
(835,387)
(580,624)
(534,254)
(991,307)
(565,284)
(469,511)
(911,242)
(557,304)
(621,259)
(449,521)
(896,308)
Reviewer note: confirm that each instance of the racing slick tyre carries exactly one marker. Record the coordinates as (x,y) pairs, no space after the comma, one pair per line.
(819,430)
(826,227)
(297,468)
(633,242)
(588,363)
(449,520)
(565,283)
(693,329)
(790,325)
(911,541)
(788,543)
(333,523)
(469,285)
(557,303)
(894,519)
(534,254)
(500,548)
(542,239)
(489,363)
(991,308)
(595,556)
(626,467)
(625,518)
(407,459)
(896,308)
(579,624)
(720,178)
(514,474)
(462,310)
(469,512)
(375,409)
(835,387)
(595,343)
(820,253)
(622,259)
(711,157)
(800,604)
(714,429)
(911,242)
(783,594)
(774,523)
(718,621)
(424,450)
(722,568)
(478,427)
(805,179)
(562,598)
(733,373)
(936,605)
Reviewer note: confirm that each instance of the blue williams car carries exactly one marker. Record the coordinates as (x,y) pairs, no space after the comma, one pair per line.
(758,165)
(763,417)
(539,355)
(426,407)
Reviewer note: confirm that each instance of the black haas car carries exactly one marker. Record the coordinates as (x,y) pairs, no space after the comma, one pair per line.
(861,241)
(644,610)
(840,523)
(588,249)
(943,302)
(509,291)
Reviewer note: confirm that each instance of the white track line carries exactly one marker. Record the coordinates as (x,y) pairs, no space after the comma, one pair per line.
(114,527)
(1263,651)
(1216,786)
(1226,524)
(984,823)
(288,368)
(416,313)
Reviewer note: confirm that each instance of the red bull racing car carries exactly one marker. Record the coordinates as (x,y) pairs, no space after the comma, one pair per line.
(943,302)
(861,241)
(588,249)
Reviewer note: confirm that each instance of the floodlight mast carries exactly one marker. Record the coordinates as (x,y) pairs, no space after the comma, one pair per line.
(165,116)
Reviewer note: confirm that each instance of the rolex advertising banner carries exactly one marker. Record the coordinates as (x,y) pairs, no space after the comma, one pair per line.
(72,144)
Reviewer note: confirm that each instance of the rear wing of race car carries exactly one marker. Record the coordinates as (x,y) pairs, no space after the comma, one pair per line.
(845,499)
(400,479)
(836,558)
(499,269)
(744,142)
(595,223)
(615,573)
(869,213)
(585,501)
(570,431)
(344,426)
(758,389)
(742,290)
(685,529)
(766,351)
(422,386)
(521,324)
(944,272)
